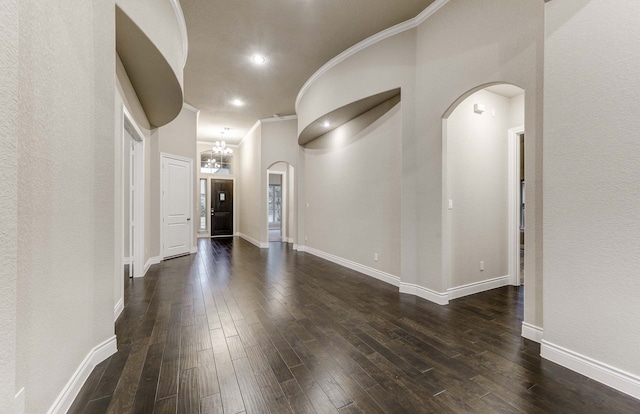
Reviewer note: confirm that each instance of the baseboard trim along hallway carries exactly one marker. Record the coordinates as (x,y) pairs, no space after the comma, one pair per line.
(77,380)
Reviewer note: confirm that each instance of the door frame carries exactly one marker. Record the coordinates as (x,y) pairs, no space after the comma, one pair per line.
(283,202)
(129,125)
(514,203)
(163,156)
(210,180)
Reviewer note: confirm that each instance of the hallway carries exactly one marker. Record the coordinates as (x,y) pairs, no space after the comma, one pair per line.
(237,329)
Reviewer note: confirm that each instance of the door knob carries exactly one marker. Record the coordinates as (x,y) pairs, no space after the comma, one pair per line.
(189,219)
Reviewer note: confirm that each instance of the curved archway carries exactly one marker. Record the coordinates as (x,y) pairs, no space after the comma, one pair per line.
(483,175)
(280,215)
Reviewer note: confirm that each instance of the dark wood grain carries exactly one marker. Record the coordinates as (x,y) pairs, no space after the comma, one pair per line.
(235,329)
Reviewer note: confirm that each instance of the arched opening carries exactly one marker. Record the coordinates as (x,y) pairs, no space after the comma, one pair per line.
(483,190)
(281,217)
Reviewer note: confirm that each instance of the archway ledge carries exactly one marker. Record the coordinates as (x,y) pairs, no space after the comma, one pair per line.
(343,115)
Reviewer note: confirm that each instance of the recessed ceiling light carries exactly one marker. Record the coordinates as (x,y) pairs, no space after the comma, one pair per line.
(326,124)
(237,102)
(258,59)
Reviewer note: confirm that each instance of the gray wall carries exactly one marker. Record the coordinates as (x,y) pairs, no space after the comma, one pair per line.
(66,209)
(477,182)
(9,73)
(249,182)
(592,167)
(353,191)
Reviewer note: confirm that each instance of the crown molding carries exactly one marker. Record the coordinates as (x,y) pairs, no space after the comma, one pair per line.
(182,25)
(190,107)
(253,128)
(378,37)
(279,119)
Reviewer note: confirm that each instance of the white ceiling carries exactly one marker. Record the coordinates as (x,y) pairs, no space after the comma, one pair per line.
(506,90)
(296,36)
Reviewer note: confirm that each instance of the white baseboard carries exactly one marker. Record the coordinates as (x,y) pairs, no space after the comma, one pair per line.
(297,247)
(532,332)
(70,391)
(253,241)
(369,271)
(117,310)
(288,239)
(194,250)
(126,260)
(424,293)
(477,287)
(596,370)
(150,262)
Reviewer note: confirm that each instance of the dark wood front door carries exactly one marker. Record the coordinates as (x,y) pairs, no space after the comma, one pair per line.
(221,207)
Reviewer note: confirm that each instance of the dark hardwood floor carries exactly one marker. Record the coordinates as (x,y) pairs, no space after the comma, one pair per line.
(236,329)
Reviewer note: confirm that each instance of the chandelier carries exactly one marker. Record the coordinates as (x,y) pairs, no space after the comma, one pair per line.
(219,151)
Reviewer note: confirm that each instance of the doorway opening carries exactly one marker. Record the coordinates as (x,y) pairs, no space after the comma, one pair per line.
(132,198)
(483,183)
(221,207)
(280,202)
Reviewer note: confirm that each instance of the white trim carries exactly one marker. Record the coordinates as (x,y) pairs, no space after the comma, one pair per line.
(298,247)
(253,128)
(182,25)
(118,308)
(190,107)
(72,388)
(477,287)
(532,332)
(253,241)
(279,118)
(288,239)
(424,293)
(513,244)
(126,260)
(385,34)
(599,371)
(152,261)
(194,249)
(369,271)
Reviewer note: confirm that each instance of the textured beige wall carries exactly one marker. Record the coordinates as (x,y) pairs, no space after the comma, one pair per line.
(592,167)
(9,71)
(66,241)
(477,182)
(353,191)
(248,185)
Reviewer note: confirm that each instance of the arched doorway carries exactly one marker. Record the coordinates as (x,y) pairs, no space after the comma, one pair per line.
(281,214)
(483,190)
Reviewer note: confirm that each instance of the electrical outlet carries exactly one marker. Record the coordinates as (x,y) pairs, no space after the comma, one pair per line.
(450,204)
(306,238)
(481,265)
(20,402)
(375,257)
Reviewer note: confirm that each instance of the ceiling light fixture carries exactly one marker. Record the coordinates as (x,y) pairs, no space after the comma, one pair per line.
(258,59)
(223,153)
(326,124)
(237,102)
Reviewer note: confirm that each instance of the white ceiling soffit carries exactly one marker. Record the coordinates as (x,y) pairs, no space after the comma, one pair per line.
(385,34)
(182,25)
(153,79)
(343,115)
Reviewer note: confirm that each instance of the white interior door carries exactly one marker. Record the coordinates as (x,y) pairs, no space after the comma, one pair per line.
(176,206)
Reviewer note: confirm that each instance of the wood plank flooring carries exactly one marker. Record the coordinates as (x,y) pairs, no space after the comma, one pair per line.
(235,329)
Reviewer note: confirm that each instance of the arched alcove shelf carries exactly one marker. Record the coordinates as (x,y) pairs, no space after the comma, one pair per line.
(343,115)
